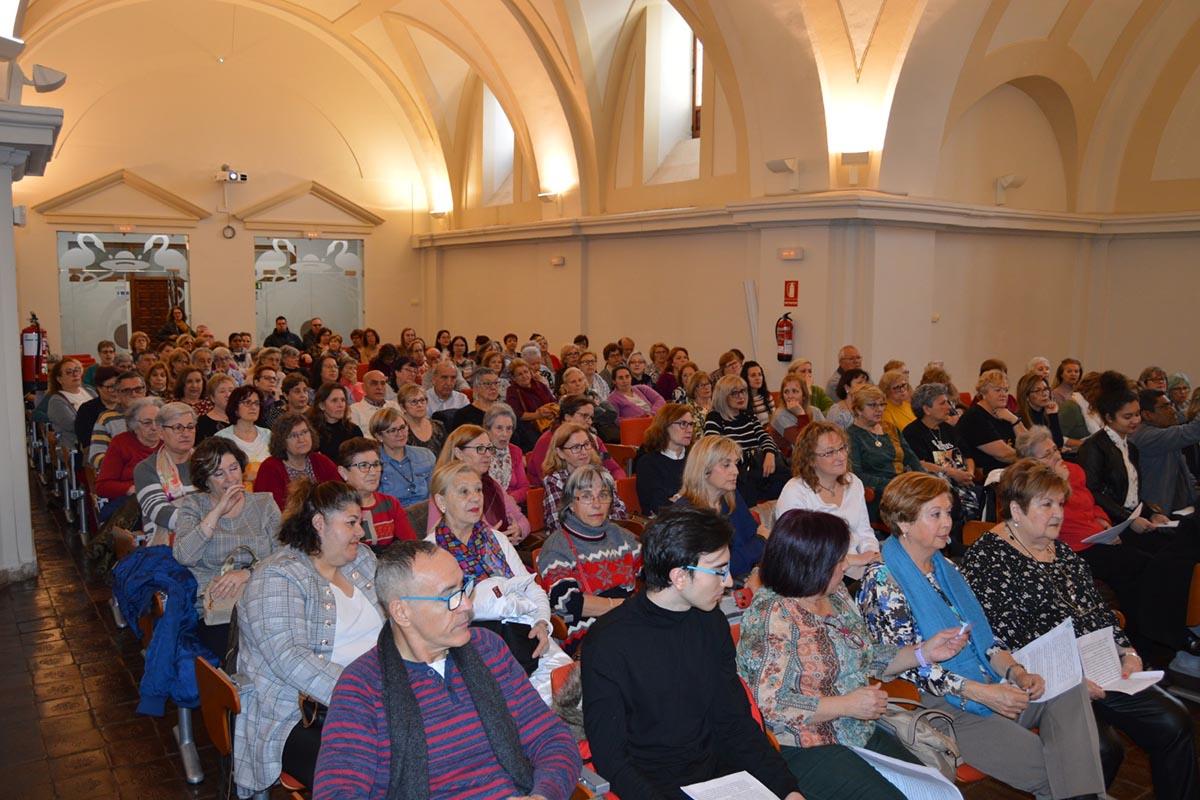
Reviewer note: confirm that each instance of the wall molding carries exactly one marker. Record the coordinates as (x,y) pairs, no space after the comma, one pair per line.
(823,208)
(356,219)
(176,211)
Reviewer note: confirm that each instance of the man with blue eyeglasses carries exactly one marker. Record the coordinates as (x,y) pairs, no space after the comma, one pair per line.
(438,709)
(662,702)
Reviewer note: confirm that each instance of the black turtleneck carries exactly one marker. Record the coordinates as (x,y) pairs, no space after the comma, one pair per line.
(663,704)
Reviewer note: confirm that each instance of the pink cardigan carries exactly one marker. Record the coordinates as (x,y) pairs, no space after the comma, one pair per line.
(518,484)
(627,409)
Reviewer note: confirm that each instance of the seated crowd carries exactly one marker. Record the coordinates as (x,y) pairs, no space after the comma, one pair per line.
(367,508)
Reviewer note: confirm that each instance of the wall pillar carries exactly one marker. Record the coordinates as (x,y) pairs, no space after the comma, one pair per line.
(27,136)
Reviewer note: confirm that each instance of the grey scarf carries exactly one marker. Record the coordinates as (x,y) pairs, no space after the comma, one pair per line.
(408,775)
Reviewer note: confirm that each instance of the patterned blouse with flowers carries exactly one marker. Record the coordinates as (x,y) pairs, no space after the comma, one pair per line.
(1024,599)
(890,619)
(791,658)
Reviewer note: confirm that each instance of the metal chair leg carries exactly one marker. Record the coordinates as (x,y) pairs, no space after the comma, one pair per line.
(118,617)
(187,748)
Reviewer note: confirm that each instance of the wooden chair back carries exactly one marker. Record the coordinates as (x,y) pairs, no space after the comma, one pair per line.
(633,431)
(219,701)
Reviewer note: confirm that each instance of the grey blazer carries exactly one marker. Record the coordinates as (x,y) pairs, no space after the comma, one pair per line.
(286,620)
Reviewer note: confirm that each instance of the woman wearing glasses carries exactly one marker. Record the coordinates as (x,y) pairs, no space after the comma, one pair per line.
(806,654)
(710,479)
(407,468)
(384,520)
(897,392)
(878,451)
(994,701)
(293,456)
(698,398)
(1028,582)
(760,476)
(507,599)
(423,431)
(571,447)
(659,466)
(590,564)
(220,531)
(67,393)
(1037,406)
(245,404)
(140,440)
(164,477)
(309,610)
(822,481)
(508,463)
(471,445)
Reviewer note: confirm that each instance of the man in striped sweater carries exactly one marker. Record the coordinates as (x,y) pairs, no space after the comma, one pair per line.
(439,709)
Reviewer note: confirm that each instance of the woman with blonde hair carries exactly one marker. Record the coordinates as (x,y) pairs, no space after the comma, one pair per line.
(897,391)
(988,430)
(471,445)
(699,398)
(217,391)
(804,368)
(710,478)
(760,475)
(571,447)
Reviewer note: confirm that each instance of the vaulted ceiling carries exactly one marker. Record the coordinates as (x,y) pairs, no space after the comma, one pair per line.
(392,84)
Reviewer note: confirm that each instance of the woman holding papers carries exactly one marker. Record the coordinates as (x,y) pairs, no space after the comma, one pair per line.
(916,593)
(805,653)
(1028,582)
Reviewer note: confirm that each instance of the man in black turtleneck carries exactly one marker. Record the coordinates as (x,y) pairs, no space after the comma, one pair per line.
(663,704)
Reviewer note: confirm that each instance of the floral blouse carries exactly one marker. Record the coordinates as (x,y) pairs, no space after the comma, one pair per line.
(886,610)
(1024,598)
(791,658)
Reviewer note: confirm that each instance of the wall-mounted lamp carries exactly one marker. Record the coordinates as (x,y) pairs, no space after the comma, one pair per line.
(1005,182)
(440,214)
(784,166)
(549,197)
(852,162)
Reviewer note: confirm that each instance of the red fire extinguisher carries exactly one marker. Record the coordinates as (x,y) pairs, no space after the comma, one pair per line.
(784,347)
(34,355)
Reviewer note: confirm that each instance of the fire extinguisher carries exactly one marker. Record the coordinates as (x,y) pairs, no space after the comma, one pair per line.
(34,355)
(784,347)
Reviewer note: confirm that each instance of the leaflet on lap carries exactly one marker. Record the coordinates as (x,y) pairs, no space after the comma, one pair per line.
(1053,655)
(1109,536)
(737,786)
(1102,664)
(915,781)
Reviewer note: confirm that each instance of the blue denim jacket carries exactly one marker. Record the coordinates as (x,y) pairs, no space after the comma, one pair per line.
(408,480)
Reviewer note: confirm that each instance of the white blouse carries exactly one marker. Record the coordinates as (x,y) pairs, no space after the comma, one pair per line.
(798,494)
(357,628)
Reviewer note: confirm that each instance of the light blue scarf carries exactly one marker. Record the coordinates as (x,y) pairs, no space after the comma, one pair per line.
(932,615)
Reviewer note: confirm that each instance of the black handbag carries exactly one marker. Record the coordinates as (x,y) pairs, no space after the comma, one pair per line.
(516,636)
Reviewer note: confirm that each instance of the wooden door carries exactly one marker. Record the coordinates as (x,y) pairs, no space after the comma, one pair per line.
(150,298)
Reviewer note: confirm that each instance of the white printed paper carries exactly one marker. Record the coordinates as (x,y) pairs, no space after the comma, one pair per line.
(1186,511)
(1109,536)
(737,786)
(1102,664)
(915,781)
(1055,657)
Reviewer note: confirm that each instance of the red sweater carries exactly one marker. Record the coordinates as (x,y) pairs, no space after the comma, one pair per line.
(387,521)
(116,470)
(273,476)
(1081,516)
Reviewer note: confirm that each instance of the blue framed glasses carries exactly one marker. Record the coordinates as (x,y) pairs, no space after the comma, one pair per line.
(720,573)
(453,601)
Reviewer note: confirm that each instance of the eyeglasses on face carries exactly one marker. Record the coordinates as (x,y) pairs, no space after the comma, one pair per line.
(833,451)
(720,573)
(417,401)
(684,423)
(601,497)
(303,433)
(367,466)
(738,393)
(249,401)
(396,430)
(109,386)
(453,601)
(577,448)
(179,429)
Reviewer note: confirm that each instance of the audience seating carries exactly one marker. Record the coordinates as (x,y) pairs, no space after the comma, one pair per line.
(627,491)
(536,509)
(623,454)
(633,431)
(904,691)
(972,530)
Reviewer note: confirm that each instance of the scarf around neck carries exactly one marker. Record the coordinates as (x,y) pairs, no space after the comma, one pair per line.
(480,556)
(408,772)
(935,611)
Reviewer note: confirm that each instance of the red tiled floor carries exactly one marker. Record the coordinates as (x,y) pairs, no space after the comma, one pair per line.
(68,684)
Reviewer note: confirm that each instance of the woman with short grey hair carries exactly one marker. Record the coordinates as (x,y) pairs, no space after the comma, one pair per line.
(164,477)
(508,465)
(126,451)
